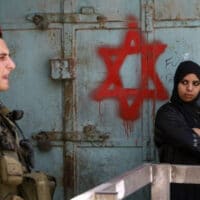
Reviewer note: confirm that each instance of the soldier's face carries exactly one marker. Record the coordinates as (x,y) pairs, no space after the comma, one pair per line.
(6,66)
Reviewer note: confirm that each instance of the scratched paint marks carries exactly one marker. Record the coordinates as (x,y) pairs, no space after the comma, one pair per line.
(112,87)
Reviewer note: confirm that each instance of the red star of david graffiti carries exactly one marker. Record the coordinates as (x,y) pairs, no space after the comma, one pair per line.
(112,86)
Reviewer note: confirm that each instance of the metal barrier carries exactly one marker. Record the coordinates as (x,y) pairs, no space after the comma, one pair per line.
(158,175)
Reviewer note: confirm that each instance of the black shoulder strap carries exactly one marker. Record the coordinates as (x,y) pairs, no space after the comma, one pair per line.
(10,117)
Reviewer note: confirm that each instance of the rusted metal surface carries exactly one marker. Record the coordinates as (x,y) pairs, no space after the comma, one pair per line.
(69,171)
(87,10)
(149,16)
(89,134)
(42,20)
(62,68)
(68,105)
(43,141)
(51,135)
(85,14)
(177,10)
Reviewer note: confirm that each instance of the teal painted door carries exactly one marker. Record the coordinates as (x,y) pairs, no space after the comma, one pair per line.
(103,141)
(90,75)
(32,88)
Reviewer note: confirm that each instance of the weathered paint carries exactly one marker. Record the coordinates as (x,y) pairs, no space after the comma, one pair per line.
(177,10)
(85,143)
(112,86)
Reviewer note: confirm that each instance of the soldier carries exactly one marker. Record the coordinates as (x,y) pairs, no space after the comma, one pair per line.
(17,180)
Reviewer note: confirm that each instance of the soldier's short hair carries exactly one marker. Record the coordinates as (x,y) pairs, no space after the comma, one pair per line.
(1,34)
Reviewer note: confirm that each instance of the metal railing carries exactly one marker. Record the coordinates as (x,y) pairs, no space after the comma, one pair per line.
(158,175)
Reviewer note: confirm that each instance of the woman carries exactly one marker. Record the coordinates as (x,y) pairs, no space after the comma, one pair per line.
(177,127)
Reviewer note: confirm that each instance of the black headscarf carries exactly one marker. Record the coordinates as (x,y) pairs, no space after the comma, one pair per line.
(190,110)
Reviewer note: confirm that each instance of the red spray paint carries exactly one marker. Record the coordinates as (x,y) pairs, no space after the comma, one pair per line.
(112,86)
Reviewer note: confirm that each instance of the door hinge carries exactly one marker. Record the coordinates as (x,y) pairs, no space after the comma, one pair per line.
(89,133)
(86,15)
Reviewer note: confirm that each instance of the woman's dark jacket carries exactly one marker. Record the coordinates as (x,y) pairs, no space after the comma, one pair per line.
(177,143)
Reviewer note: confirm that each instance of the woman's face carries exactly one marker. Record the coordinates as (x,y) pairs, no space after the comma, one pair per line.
(189,88)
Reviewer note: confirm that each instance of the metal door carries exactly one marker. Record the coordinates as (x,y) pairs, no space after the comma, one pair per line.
(102,141)
(90,75)
(176,23)
(108,135)
(32,89)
